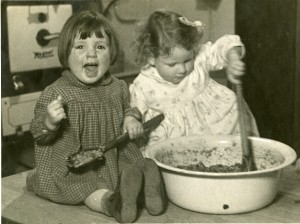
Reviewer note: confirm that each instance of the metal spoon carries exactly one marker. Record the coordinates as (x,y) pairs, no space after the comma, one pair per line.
(86,156)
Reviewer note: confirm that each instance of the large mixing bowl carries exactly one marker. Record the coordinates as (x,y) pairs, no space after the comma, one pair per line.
(220,193)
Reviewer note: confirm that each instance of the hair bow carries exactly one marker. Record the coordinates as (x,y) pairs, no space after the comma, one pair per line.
(197,23)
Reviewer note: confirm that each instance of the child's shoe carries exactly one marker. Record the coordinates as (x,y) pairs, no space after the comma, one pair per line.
(155,199)
(126,196)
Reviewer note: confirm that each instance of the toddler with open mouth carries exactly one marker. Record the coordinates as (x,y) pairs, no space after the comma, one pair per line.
(86,108)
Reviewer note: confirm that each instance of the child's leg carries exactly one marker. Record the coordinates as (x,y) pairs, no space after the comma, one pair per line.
(155,198)
(126,196)
(102,201)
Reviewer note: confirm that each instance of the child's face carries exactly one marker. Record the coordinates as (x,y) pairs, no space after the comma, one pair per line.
(176,66)
(89,59)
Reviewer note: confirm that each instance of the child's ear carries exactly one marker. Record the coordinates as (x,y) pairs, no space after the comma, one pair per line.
(151,61)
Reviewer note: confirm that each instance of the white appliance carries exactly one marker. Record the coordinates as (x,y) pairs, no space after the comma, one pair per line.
(33,32)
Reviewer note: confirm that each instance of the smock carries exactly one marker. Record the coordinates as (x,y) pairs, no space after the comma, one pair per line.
(198,104)
(95,115)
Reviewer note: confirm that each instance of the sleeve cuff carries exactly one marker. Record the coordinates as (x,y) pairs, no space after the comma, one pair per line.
(47,135)
(134,112)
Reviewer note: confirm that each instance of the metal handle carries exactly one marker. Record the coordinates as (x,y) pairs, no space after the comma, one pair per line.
(85,156)
(148,125)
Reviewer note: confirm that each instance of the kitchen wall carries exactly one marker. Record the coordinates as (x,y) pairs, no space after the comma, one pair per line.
(218,16)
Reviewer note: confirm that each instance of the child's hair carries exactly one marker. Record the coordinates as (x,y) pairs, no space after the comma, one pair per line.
(85,23)
(161,33)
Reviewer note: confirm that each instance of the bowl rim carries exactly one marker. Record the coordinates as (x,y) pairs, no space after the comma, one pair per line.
(289,158)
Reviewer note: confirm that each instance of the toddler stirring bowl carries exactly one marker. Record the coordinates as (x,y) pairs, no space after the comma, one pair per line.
(220,193)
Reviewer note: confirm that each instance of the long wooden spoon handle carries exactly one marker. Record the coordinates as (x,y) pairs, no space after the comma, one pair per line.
(246,144)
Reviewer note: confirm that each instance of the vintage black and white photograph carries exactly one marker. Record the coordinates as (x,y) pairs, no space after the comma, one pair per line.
(150,111)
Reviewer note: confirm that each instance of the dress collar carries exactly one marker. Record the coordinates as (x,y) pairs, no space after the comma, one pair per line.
(151,72)
(104,81)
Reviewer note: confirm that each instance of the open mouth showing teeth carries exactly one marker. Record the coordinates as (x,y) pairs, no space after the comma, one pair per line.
(91,67)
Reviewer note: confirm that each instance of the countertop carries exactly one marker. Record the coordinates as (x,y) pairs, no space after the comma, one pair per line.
(21,206)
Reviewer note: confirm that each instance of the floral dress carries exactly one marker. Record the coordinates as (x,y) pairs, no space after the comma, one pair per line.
(198,104)
(95,115)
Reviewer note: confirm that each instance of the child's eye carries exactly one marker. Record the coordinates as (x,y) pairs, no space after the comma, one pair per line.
(171,65)
(79,47)
(101,47)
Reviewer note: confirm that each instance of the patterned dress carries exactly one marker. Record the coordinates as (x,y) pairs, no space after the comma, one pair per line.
(198,104)
(95,115)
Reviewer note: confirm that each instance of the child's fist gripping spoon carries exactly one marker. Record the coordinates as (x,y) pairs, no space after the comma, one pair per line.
(86,156)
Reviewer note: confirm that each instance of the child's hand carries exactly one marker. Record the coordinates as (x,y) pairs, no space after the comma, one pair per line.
(236,67)
(55,113)
(133,127)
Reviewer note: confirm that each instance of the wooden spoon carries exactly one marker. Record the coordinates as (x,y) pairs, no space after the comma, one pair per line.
(247,152)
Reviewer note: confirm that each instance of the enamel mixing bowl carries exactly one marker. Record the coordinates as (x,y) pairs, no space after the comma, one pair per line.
(220,193)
